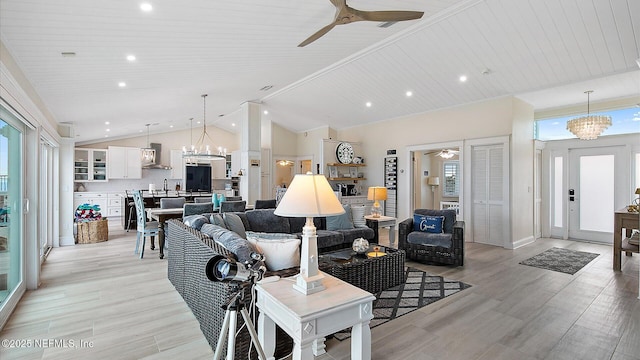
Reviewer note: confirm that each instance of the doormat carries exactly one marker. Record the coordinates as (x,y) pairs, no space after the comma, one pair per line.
(420,289)
(561,260)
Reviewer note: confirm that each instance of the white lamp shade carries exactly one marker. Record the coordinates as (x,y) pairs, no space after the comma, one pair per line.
(434,180)
(309,196)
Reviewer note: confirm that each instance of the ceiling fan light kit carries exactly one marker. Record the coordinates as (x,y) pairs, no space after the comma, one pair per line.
(346,15)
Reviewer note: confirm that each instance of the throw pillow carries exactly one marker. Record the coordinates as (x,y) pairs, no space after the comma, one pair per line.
(234,223)
(269,236)
(216,219)
(231,241)
(357,214)
(340,222)
(278,254)
(429,224)
(195,221)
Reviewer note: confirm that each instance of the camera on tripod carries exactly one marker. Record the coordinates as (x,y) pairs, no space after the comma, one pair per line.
(220,268)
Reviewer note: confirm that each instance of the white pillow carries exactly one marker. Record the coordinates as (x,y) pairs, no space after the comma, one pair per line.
(279,254)
(357,214)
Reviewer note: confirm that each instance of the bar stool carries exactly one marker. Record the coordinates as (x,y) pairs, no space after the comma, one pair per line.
(132,208)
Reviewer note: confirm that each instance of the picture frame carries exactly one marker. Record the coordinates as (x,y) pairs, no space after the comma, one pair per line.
(333,171)
(353,172)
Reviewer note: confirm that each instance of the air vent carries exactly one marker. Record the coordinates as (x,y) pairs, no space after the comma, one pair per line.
(68,54)
(266,88)
(387,24)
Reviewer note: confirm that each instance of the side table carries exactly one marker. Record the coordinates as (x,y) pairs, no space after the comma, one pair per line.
(382,221)
(309,318)
(623,220)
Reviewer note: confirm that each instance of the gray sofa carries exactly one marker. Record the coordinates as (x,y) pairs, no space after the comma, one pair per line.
(189,252)
(264,220)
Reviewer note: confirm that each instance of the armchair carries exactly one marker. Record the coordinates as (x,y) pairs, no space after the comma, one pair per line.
(444,248)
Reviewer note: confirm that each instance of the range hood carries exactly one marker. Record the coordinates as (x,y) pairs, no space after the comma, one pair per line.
(156,164)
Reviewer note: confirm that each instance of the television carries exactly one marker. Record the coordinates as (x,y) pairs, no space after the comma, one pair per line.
(198,178)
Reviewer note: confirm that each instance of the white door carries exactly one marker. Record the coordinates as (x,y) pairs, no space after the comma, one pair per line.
(488,195)
(537,191)
(594,192)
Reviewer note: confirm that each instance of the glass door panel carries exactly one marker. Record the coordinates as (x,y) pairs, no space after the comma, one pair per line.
(10,211)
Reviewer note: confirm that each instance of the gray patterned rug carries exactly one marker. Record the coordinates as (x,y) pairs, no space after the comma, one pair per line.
(420,289)
(561,260)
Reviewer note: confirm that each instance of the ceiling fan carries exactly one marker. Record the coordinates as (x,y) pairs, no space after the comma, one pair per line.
(444,153)
(346,15)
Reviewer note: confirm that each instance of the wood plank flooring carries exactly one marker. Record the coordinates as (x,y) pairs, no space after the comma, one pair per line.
(125,308)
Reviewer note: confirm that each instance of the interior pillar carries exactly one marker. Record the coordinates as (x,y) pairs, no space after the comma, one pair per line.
(250,145)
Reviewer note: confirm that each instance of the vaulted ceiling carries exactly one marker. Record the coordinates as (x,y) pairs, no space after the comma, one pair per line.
(545,51)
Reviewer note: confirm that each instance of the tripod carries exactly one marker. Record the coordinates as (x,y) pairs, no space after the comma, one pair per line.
(235,303)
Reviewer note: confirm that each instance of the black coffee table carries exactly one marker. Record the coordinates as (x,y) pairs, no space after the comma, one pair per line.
(372,274)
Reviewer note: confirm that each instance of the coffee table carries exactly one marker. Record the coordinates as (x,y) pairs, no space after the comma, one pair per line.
(372,274)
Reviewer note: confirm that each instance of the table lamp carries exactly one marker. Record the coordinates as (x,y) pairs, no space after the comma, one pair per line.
(308,196)
(376,193)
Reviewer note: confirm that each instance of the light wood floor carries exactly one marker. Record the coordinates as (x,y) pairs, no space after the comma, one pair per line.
(127,309)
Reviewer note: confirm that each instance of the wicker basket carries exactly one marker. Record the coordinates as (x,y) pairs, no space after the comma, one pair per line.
(90,232)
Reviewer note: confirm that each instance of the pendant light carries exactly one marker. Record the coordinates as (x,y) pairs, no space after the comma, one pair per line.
(588,127)
(148,154)
(201,150)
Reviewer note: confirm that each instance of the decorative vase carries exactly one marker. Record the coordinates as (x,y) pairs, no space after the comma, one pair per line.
(360,245)
(215,200)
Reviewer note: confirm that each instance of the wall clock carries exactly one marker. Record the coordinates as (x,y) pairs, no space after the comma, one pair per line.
(344,153)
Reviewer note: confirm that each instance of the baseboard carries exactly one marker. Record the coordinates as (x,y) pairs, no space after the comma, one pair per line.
(67,240)
(522,242)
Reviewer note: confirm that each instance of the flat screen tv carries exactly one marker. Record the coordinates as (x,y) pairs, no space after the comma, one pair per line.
(198,178)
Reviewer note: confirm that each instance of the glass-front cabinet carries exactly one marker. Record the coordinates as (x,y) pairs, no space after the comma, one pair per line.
(90,165)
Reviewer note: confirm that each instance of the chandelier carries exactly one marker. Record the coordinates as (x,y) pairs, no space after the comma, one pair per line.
(148,154)
(200,150)
(588,127)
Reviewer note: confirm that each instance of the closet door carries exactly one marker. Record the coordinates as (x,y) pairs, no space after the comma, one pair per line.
(487,194)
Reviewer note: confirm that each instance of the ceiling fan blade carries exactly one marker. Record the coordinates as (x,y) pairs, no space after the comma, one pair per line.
(385,16)
(317,35)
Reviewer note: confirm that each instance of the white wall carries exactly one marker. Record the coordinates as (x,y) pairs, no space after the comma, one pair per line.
(478,120)
(522,156)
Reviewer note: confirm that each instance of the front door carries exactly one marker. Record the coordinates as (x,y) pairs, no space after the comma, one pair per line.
(596,187)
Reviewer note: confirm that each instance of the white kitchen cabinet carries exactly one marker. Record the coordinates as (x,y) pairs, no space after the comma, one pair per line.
(177,165)
(91,198)
(125,163)
(90,165)
(218,169)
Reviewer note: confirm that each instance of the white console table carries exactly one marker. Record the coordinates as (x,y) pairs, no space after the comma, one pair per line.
(309,318)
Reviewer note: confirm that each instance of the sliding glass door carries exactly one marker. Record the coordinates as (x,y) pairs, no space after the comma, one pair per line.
(11,230)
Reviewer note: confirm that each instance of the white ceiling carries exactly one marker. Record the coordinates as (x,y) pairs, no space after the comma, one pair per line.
(544,51)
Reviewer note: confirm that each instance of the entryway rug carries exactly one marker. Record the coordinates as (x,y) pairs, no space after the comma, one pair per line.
(562,260)
(420,289)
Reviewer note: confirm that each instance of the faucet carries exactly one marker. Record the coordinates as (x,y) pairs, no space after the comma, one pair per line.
(165,186)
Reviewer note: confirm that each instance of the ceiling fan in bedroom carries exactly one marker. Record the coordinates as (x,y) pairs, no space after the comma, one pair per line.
(444,153)
(345,15)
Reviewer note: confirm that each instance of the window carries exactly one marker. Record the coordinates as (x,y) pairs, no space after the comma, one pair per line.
(624,121)
(451,171)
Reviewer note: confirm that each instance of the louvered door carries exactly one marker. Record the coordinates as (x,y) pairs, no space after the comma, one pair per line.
(487,195)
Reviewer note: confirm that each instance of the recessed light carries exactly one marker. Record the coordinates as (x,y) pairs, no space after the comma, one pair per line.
(106,136)
(108,130)
(107,123)
(266,112)
(146,7)
(233,124)
(171,126)
(197,122)
(131,57)
(368,104)
(409,93)
(122,84)
(463,78)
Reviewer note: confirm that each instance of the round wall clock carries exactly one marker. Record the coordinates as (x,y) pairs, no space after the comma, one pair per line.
(344,153)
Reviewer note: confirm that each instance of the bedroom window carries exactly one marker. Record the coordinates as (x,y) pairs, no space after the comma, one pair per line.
(451,171)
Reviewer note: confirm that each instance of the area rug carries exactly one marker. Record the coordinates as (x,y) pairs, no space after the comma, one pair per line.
(561,260)
(420,289)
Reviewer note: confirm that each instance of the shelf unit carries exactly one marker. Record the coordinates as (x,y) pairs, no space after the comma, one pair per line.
(391,183)
(334,173)
(90,165)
